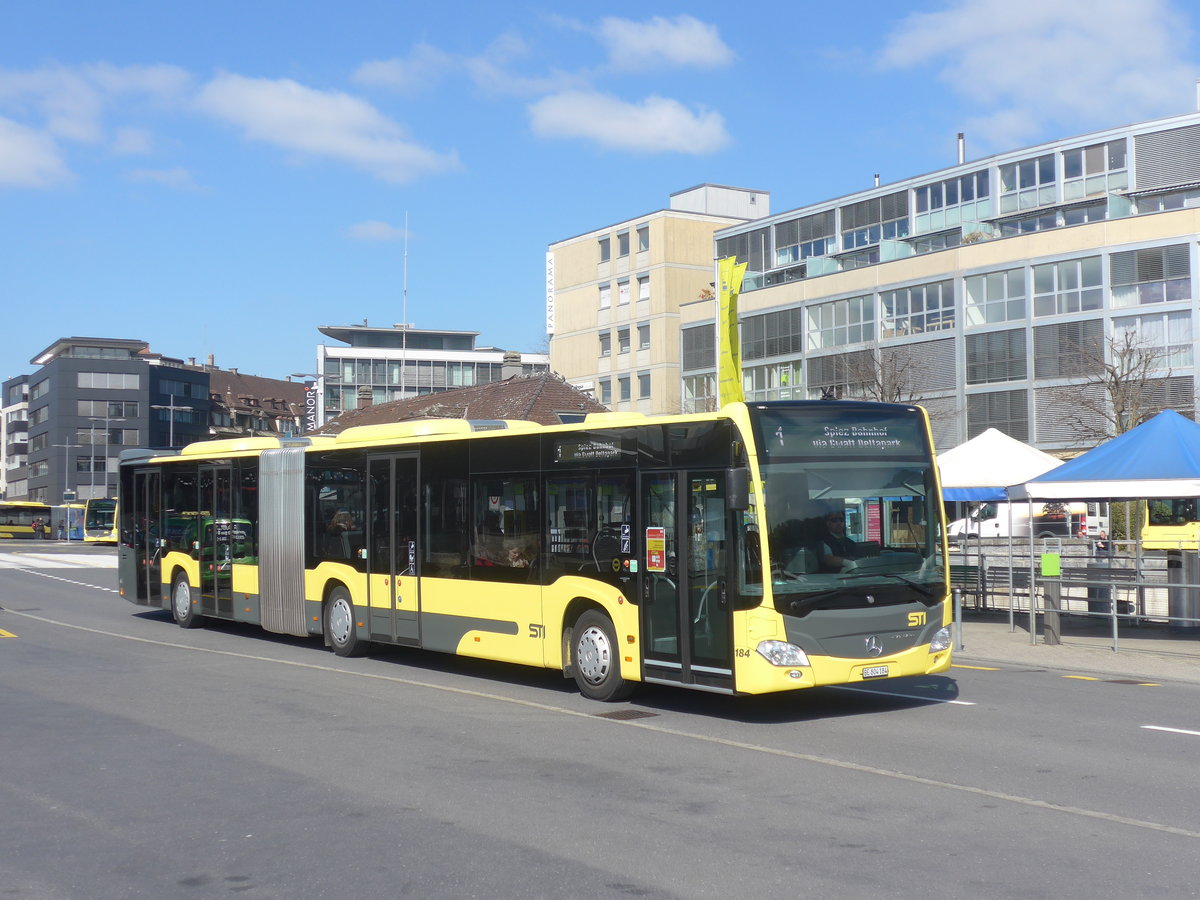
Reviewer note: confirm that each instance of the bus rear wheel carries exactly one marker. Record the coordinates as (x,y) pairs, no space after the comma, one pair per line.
(597,659)
(182,607)
(340,630)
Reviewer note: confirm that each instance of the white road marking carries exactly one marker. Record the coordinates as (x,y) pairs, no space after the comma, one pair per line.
(662,729)
(57,561)
(862,690)
(1172,730)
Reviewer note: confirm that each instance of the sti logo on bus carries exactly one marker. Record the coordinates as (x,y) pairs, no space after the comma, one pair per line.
(915,619)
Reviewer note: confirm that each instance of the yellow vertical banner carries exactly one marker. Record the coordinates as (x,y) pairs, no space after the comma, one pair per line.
(729,367)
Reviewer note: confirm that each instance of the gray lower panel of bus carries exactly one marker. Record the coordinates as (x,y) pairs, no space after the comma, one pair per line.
(281,537)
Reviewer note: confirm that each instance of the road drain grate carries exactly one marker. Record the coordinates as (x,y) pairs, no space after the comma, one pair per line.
(624,715)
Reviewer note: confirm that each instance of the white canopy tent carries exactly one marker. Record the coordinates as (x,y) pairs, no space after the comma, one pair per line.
(985,467)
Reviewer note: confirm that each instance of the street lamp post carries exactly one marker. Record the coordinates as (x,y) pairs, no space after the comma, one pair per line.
(172,407)
(66,485)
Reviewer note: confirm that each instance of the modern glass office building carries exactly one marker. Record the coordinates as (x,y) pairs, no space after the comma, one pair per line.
(1000,292)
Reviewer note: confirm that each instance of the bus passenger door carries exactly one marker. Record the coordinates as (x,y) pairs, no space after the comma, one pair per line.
(686,615)
(145,534)
(216,532)
(393,587)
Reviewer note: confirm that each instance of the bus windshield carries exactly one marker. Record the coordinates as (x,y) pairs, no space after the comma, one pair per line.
(99,514)
(850,507)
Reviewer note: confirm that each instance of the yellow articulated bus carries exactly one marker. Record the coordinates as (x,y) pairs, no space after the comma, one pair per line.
(1171,524)
(17,519)
(765,547)
(100,521)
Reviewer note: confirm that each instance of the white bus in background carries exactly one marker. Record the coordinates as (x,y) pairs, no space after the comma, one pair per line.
(1074,519)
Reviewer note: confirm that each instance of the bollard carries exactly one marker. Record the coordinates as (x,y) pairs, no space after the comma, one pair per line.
(1052,620)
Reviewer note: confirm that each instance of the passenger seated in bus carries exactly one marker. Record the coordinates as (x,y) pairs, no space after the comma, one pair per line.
(337,537)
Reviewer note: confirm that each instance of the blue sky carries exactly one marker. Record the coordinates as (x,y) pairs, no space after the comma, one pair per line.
(224,177)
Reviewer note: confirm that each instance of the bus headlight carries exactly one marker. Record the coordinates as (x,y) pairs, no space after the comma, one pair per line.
(941,640)
(781,653)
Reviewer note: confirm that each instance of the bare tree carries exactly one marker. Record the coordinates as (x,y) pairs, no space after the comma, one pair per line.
(1123,381)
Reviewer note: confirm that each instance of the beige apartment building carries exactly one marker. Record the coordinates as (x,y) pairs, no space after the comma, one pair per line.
(613,295)
(998,292)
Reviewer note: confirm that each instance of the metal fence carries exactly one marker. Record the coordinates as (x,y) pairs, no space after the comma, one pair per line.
(1122,584)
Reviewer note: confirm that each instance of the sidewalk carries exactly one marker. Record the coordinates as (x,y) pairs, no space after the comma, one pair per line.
(1149,652)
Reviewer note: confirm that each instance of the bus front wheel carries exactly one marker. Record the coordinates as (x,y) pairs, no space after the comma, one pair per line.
(340,630)
(597,659)
(182,607)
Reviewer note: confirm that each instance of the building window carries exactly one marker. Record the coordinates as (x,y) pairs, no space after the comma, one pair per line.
(700,393)
(1027,184)
(623,292)
(643,385)
(1097,169)
(870,221)
(643,238)
(127,437)
(643,287)
(1068,287)
(623,387)
(1067,349)
(622,244)
(1029,224)
(917,309)
(606,391)
(1084,213)
(39,468)
(995,297)
(1168,334)
(1153,275)
(605,249)
(775,381)
(807,236)
(605,344)
(90,464)
(1006,411)
(996,356)
(773,334)
(644,336)
(39,442)
(118,381)
(952,202)
(39,389)
(39,415)
(842,322)
(699,347)
(623,340)
(605,296)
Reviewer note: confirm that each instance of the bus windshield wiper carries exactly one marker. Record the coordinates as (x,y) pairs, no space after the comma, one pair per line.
(914,584)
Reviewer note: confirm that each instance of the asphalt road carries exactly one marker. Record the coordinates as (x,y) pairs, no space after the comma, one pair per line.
(138,759)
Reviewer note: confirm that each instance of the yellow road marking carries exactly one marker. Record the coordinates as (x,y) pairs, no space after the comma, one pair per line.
(4,634)
(1082,677)
(976,668)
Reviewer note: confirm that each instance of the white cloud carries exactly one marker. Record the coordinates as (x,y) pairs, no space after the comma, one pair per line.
(132,142)
(328,124)
(29,158)
(421,70)
(682,41)
(375,231)
(656,125)
(178,178)
(1025,63)
(72,101)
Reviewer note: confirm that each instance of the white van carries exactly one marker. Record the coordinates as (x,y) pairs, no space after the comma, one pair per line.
(1052,519)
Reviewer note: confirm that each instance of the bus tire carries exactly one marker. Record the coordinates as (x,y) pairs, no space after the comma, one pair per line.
(340,630)
(182,607)
(596,658)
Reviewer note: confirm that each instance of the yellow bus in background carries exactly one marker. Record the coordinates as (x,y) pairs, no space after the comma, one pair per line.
(687,550)
(100,521)
(17,518)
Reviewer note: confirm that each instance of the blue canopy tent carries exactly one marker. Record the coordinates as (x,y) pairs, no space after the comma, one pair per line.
(1159,458)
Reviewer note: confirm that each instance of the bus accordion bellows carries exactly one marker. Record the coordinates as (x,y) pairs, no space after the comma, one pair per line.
(702,550)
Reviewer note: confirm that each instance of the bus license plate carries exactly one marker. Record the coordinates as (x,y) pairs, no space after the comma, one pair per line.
(875,672)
